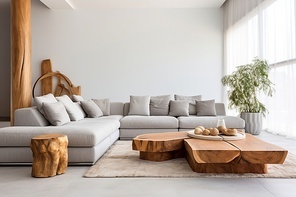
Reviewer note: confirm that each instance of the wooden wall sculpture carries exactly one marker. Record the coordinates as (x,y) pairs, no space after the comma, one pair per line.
(21,80)
(63,86)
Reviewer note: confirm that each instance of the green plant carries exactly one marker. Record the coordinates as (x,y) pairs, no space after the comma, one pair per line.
(246,83)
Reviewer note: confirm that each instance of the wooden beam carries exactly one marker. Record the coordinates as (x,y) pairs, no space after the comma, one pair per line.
(46,84)
(21,74)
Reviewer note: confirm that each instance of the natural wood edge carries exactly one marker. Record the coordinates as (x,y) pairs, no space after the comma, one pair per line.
(225,167)
(162,156)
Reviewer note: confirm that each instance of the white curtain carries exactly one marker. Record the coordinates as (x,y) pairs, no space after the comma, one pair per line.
(266,29)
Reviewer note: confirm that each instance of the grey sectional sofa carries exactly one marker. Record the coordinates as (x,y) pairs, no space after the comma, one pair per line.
(90,138)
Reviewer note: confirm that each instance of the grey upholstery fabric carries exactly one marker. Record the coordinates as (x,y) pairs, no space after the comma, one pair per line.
(166,97)
(29,116)
(210,121)
(139,105)
(77,98)
(74,112)
(206,108)
(151,122)
(191,100)
(48,98)
(116,108)
(104,105)
(159,107)
(84,133)
(179,108)
(129,134)
(92,109)
(81,155)
(56,113)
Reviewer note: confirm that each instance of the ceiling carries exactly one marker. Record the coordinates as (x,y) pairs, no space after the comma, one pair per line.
(102,4)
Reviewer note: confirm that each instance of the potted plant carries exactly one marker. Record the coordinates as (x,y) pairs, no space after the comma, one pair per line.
(245,84)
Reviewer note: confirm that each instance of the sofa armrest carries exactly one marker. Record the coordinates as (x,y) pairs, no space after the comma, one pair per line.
(29,116)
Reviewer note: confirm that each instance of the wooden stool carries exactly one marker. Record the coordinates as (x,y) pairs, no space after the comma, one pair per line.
(50,155)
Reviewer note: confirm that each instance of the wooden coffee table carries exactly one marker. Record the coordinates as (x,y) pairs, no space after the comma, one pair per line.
(250,155)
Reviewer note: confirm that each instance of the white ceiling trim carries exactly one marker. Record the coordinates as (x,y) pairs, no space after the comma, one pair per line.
(109,4)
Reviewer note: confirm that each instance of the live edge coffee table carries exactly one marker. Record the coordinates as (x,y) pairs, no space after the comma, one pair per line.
(249,155)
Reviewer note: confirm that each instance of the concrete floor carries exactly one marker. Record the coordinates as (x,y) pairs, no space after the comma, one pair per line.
(16,181)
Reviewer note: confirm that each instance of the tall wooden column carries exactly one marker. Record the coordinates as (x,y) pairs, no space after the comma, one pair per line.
(21,80)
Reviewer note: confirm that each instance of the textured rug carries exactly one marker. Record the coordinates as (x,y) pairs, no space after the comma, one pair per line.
(121,161)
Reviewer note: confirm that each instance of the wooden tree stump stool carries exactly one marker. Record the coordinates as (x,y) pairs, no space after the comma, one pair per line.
(50,155)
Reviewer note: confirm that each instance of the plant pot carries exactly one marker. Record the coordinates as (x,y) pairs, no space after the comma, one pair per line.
(253,122)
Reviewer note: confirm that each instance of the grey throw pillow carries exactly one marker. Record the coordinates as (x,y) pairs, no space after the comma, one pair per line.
(92,110)
(206,108)
(77,98)
(139,105)
(104,105)
(159,107)
(179,108)
(74,113)
(191,100)
(56,113)
(48,98)
(167,97)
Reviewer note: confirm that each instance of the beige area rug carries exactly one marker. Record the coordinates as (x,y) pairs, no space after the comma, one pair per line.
(121,161)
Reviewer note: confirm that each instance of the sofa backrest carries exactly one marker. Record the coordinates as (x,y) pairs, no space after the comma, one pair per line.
(30,116)
(116,108)
(220,109)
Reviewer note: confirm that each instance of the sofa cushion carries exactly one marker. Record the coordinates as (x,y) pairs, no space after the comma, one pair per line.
(191,100)
(74,112)
(84,133)
(141,122)
(206,108)
(210,121)
(139,105)
(179,108)
(56,113)
(159,107)
(166,97)
(48,98)
(92,110)
(77,98)
(104,105)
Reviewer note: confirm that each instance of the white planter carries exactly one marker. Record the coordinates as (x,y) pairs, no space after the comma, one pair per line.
(253,122)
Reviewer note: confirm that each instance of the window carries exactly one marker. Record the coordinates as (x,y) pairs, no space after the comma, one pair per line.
(267,30)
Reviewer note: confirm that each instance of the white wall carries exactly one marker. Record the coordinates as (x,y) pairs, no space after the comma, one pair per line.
(114,53)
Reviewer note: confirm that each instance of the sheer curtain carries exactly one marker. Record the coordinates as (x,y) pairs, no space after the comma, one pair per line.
(266,29)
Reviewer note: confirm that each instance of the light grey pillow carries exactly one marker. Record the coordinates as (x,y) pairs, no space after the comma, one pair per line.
(179,108)
(159,107)
(167,97)
(74,113)
(48,98)
(78,104)
(191,100)
(56,113)
(104,105)
(92,110)
(139,105)
(206,108)
(77,98)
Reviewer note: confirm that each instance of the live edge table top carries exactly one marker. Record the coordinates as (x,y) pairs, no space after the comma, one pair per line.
(250,155)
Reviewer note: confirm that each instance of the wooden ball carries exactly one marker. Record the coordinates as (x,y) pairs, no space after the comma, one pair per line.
(206,132)
(214,132)
(197,131)
(222,129)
